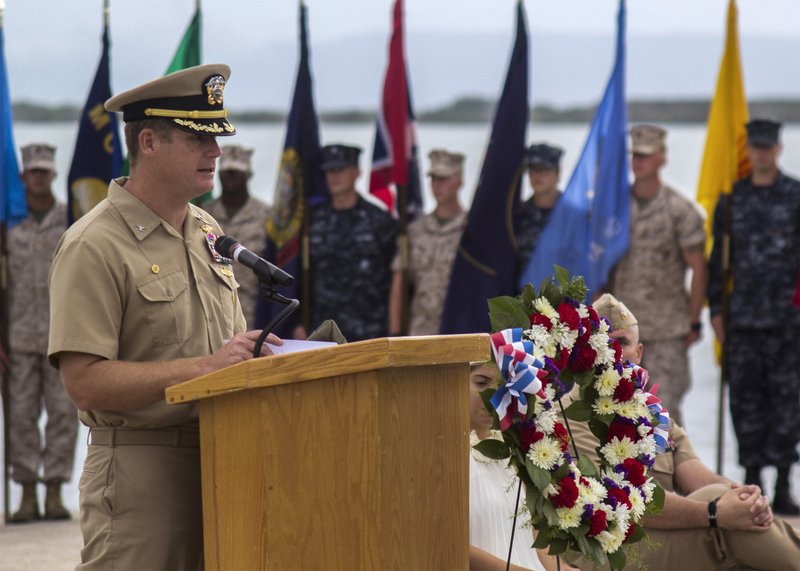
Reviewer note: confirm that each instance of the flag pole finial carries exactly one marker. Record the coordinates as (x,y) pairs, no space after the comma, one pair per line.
(106,12)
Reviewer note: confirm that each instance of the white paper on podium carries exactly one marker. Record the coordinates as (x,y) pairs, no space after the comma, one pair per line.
(295,345)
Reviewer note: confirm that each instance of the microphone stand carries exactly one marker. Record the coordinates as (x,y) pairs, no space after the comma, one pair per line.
(267,292)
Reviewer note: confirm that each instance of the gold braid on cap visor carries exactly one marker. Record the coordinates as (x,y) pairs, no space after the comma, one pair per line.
(177,114)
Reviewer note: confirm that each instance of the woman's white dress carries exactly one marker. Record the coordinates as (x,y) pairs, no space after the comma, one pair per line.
(492,500)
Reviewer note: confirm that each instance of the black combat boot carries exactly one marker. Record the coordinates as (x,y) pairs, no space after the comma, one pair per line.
(752,476)
(783,503)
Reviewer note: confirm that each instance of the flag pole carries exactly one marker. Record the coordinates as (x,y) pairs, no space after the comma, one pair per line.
(3,345)
(723,366)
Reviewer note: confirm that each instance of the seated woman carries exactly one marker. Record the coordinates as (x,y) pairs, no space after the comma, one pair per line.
(493,495)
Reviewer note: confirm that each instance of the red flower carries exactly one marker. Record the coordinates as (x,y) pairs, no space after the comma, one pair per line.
(562,360)
(634,471)
(597,523)
(587,331)
(624,390)
(540,319)
(567,493)
(628,533)
(582,358)
(616,496)
(569,315)
(562,435)
(593,314)
(528,435)
(620,429)
(617,351)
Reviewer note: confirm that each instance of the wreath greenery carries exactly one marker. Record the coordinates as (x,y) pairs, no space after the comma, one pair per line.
(544,345)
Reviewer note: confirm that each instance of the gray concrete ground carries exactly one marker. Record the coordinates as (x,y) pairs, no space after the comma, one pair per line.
(56,546)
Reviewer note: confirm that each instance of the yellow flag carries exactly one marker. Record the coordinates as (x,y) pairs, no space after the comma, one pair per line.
(725,158)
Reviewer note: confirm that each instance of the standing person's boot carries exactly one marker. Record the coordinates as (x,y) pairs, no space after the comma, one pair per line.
(53,508)
(28,507)
(783,503)
(752,476)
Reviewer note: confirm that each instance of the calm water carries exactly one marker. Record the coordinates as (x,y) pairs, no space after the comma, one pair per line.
(686,144)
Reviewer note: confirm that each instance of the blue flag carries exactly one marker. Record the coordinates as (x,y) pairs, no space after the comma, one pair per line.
(485,265)
(588,230)
(299,187)
(13,206)
(98,153)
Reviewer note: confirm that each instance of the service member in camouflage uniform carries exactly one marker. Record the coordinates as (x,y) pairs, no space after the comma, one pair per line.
(140,302)
(352,244)
(666,239)
(33,384)
(432,241)
(241,216)
(744,535)
(544,169)
(761,337)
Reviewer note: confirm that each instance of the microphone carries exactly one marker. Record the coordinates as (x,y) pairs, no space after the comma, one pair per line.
(228,247)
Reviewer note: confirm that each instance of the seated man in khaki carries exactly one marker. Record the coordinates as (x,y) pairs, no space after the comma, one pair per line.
(708,521)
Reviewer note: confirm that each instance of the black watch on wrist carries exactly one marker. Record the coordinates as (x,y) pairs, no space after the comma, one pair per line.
(697,326)
(712,513)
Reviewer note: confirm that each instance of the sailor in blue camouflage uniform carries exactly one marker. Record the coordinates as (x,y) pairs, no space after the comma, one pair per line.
(544,168)
(763,327)
(352,245)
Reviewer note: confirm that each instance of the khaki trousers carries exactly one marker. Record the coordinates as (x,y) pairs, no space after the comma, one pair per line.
(141,508)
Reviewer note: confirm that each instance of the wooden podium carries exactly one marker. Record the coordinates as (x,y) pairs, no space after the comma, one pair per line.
(347,457)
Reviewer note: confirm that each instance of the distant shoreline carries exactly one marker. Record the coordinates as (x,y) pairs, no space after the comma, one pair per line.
(474,110)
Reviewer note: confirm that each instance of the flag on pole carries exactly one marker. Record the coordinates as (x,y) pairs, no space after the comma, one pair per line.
(725,158)
(395,178)
(588,230)
(485,264)
(299,187)
(188,52)
(13,206)
(98,151)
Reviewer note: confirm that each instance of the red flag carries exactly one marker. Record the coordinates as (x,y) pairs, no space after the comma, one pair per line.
(394,156)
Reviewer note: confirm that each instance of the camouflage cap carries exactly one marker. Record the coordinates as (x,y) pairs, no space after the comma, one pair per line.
(543,155)
(38,156)
(615,311)
(763,132)
(445,163)
(190,99)
(235,158)
(648,139)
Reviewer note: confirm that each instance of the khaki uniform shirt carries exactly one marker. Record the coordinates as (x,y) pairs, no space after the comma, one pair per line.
(249,227)
(30,250)
(650,278)
(432,249)
(126,286)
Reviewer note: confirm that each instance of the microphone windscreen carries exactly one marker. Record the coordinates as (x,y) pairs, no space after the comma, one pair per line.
(224,245)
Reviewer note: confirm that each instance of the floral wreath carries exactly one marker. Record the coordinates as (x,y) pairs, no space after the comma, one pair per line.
(545,344)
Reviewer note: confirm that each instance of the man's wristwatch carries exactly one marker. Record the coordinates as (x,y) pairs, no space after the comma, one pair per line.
(697,326)
(712,513)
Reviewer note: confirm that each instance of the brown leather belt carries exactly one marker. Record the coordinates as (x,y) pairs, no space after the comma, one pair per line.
(175,436)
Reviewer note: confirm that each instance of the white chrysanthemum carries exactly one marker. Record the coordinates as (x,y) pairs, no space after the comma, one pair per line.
(546,420)
(627,373)
(598,489)
(543,306)
(648,488)
(594,493)
(569,517)
(637,505)
(546,453)
(598,341)
(616,477)
(628,409)
(564,336)
(604,328)
(603,405)
(647,446)
(643,430)
(616,451)
(609,541)
(607,382)
(583,312)
(550,393)
(640,398)
(550,490)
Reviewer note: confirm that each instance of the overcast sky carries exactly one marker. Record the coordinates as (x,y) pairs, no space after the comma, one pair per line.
(52,46)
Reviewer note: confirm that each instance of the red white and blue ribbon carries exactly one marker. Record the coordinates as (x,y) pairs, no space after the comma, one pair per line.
(520,370)
(661,428)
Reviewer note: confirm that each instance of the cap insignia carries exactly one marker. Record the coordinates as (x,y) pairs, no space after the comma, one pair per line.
(215,86)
